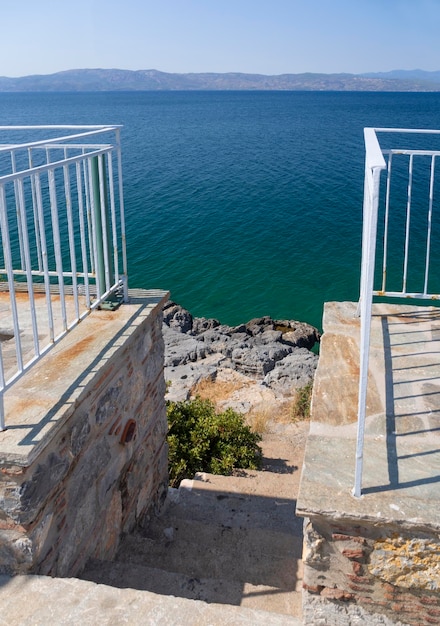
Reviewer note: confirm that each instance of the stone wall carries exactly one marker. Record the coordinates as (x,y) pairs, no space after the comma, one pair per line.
(103,464)
(370,574)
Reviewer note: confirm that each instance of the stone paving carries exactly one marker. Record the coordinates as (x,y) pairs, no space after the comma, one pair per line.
(401,479)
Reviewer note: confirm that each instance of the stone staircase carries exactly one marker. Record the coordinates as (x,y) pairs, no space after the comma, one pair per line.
(231,542)
(224,551)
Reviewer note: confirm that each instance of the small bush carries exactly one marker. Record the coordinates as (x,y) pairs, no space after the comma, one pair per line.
(201,440)
(301,404)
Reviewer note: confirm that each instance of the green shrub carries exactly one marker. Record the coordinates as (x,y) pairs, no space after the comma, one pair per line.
(201,440)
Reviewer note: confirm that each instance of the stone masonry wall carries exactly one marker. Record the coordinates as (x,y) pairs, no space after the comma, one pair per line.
(370,574)
(103,470)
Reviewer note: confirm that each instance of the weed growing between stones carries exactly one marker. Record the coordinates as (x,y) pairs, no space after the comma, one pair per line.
(301,404)
(202,440)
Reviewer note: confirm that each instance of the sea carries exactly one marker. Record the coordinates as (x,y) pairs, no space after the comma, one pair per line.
(241,204)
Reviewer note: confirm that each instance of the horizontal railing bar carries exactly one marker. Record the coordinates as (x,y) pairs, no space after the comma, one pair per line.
(407,131)
(40,288)
(410,152)
(407,294)
(49,273)
(52,166)
(55,146)
(63,127)
(44,142)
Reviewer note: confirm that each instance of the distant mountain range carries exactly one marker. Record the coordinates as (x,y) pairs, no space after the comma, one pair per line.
(154,80)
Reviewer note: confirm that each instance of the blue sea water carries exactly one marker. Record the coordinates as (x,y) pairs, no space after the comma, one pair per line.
(242,204)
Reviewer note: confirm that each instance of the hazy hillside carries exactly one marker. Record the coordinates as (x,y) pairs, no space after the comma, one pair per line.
(153,80)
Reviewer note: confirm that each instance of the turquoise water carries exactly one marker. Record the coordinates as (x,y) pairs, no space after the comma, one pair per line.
(241,204)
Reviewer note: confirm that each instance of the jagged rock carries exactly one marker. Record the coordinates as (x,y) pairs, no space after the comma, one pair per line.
(181,348)
(202,324)
(294,371)
(302,336)
(257,360)
(274,353)
(182,379)
(268,336)
(177,318)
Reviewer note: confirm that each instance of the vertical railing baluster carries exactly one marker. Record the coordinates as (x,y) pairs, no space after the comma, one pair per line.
(71,231)
(104,221)
(44,255)
(4,227)
(88,189)
(57,244)
(122,213)
(27,257)
(2,393)
(20,231)
(35,214)
(82,232)
(386,221)
(428,234)
(94,206)
(408,223)
(113,220)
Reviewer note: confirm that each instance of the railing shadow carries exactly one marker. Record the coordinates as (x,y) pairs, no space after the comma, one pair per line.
(393,432)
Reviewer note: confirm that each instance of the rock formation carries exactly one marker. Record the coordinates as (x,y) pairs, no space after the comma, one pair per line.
(269,355)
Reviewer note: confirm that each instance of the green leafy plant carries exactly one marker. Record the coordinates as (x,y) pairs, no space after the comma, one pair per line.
(301,403)
(202,440)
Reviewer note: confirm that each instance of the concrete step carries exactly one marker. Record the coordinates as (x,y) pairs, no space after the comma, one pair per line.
(44,601)
(254,499)
(210,590)
(232,540)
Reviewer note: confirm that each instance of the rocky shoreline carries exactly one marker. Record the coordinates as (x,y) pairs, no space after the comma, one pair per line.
(264,360)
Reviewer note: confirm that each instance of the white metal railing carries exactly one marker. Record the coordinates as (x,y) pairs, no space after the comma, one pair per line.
(406,203)
(62,234)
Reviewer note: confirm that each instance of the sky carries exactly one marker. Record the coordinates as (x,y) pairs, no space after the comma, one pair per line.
(252,36)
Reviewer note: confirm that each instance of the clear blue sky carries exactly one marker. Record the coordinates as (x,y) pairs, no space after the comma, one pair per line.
(257,36)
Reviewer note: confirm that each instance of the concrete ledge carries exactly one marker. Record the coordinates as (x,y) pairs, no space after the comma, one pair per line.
(44,398)
(401,481)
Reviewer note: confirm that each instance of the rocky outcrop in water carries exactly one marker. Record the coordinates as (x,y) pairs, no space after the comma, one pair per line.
(276,354)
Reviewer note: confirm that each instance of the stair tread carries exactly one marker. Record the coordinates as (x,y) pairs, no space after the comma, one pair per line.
(210,590)
(70,601)
(218,533)
(214,500)
(258,557)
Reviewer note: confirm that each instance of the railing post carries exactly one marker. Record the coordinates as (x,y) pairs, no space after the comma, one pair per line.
(2,386)
(2,412)
(373,167)
(103,255)
(122,212)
